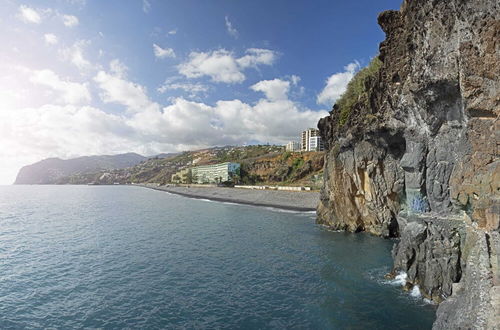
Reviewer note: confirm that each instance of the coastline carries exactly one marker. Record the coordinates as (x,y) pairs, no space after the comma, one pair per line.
(300,201)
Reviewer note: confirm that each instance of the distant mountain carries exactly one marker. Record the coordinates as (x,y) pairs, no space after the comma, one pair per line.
(165,155)
(52,170)
(260,164)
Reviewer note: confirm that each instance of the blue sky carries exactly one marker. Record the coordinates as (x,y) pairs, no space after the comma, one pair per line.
(103,77)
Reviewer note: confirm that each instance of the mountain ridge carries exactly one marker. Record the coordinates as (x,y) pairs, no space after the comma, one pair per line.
(51,170)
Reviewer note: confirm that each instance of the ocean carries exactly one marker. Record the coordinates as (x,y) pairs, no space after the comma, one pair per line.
(118,257)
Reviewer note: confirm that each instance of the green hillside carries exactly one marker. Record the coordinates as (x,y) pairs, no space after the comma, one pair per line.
(260,164)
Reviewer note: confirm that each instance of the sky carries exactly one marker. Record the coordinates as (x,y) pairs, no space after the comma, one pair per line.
(90,77)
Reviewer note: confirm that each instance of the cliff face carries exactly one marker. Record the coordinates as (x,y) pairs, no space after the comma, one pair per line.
(417,155)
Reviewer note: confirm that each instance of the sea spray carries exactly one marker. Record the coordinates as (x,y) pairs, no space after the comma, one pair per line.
(415,292)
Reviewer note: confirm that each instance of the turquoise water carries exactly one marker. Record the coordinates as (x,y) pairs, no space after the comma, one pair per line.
(129,257)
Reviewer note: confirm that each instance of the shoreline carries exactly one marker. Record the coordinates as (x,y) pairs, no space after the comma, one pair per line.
(299,201)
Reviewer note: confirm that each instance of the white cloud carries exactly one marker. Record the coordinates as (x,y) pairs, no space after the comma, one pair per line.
(230,29)
(118,68)
(257,56)
(163,52)
(75,55)
(70,20)
(295,80)
(116,89)
(50,39)
(80,3)
(187,124)
(222,66)
(146,6)
(172,32)
(70,92)
(29,15)
(192,90)
(274,90)
(336,84)
(29,133)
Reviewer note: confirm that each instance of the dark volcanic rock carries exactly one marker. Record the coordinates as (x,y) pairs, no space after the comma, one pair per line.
(419,149)
(429,253)
(49,171)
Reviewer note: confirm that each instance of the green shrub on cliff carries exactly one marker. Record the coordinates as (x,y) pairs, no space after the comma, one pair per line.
(357,91)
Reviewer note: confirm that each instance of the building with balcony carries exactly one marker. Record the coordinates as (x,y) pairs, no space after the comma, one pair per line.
(292,146)
(311,141)
(316,144)
(217,173)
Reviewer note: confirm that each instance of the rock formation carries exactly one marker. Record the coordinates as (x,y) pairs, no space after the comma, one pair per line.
(416,155)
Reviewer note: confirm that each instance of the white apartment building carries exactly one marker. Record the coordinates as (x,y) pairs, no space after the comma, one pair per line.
(316,144)
(311,141)
(292,146)
(216,173)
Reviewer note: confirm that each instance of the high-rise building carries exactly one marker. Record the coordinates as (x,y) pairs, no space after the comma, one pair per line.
(311,141)
(292,146)
(316,144)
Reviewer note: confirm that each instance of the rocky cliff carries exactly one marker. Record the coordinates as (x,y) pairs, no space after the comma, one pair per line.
(413,152)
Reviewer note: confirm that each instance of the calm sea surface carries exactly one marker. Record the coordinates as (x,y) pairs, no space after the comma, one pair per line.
(130,257)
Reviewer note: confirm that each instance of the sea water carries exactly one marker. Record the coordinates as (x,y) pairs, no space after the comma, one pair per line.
(130,257)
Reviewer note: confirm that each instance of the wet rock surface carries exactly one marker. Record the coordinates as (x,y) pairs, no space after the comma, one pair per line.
(429,253)
(420,159)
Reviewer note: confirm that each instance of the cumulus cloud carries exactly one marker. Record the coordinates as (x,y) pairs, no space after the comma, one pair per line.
(222,66)
(29,15)
(70,20)
(257,56)
(75,54)
(163,52)
(50,39)
(68,92)
(274,90)
(30,133)
(116,89)
(230,29)
(336,84)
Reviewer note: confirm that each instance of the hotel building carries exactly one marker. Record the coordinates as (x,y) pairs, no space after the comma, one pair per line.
(216,173)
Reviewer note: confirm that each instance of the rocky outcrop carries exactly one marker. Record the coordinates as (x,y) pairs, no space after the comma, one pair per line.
(416,155)
(429,253)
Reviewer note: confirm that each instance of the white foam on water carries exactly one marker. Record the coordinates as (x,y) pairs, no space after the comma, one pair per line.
(229,203)
(428,301)
(275,209)
(325,227)
(415,292)
(400,279)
